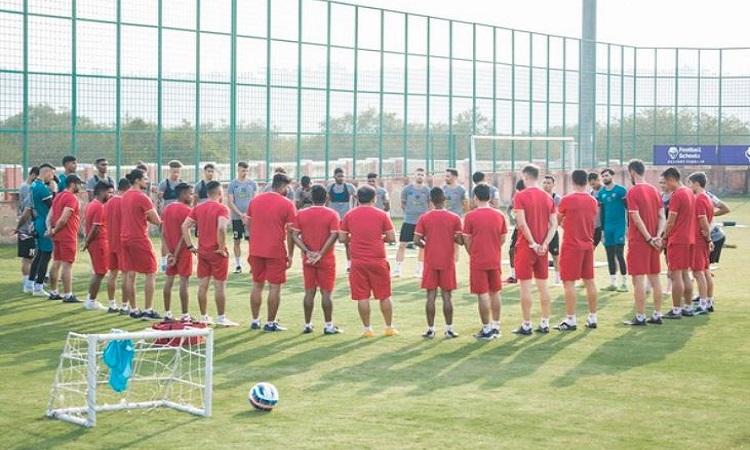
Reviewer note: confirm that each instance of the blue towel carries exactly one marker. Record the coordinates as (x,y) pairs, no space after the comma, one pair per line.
(118,356)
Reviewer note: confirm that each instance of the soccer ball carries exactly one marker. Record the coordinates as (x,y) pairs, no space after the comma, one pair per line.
(263,397)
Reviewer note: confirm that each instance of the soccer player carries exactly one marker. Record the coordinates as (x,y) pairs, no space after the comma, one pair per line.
(179,256)
(101,165)
(25,229)
(270,216)
(341,198)
(484,234)
(303,193)
(42,190)
(513,239)
(457,201)
(97,243)
(646,224)
(63,224)
(595,183)
(70,165)
(548,184)
(680,237)
(200,194)
(576,213)
(704,211)
(239,195)
(439,231)
(612,201)
(415,199)
(139,257)
(167,195)
(212,217)
(114,220)
(382,198)
(477,178)
(537,222)
(718,238)
(315,231)
(366,228)
(665,198)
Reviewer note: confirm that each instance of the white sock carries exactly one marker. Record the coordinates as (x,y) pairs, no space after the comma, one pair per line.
(676,309)
(419,266)
(703,302)
(448,327)
(613,279)
(430,328)
(656,314)
(526,324)
(25,280)
(328,325)
(221,317)
(113,303)
(38,286)
(398,266)
(168,314)
(512,272)
(571,320)
(688,308)
(164,261)
(348,263)
(256,321)
(68,294)
(623,279)
(237,261)
(486,328)
(495,325)
(640,317)
(368,328)
(544,322)
(592,317)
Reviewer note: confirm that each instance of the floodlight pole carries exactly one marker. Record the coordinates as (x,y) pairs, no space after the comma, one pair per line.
(587,86)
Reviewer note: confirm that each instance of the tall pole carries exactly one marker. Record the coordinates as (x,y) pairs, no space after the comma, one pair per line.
(587,86)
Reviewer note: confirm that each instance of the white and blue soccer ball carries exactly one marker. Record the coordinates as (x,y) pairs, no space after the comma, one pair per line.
(263,397)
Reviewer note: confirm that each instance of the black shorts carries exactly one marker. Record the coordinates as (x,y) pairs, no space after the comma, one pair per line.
(239,231)
(26,247)
(407,232)
(554,244)
(715,255)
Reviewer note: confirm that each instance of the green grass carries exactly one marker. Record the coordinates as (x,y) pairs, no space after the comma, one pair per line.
(683,385)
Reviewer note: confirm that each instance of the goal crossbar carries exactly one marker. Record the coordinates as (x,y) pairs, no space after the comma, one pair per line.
(568,144)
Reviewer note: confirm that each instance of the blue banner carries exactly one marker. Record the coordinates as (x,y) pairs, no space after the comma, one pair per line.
(685,155)
(734,155)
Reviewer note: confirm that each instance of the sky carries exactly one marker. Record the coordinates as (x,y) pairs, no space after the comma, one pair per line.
(661,23)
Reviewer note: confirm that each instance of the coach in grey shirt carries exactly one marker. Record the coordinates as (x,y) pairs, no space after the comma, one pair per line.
(101,175)
(240,193)
(456,199)
(382,198)
(415,200)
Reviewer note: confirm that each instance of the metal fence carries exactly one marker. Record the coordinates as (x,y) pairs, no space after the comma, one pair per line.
(312,84)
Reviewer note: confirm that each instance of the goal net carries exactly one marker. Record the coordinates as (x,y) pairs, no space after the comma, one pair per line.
(510,153)
(170,369)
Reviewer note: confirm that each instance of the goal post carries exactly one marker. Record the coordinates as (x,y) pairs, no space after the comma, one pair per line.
(172,369)
(563,153)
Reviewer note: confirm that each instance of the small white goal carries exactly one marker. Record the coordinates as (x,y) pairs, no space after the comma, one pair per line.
(170,369)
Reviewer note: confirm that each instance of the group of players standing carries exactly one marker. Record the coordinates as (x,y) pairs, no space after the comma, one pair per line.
(313,218)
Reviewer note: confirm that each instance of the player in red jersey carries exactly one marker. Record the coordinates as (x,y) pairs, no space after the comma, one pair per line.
(138,255)
(179,256)
(680,236)
(645,226)
(366,229)
(97,242)
(576,214)
(112,209)
(270,217)
(438,231)
(484,234)
(315,231)
(704,211)
(63,223)
(537,222)
(212,218)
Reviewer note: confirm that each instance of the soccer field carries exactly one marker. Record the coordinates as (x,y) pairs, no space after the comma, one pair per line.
(685,384)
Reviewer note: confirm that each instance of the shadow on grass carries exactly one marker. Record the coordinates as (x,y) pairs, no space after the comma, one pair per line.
(637,346)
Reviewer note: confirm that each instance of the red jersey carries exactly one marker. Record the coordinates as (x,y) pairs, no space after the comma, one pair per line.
(578,210)
(133,212)
(206,216)
(366,226)
(316,224)
(69,233)
(486,226)
(644,199)
(703,207)
(112,208)
(537,206)
(96,214)
(682,204)
(173,216)
(270,213)
(439,227)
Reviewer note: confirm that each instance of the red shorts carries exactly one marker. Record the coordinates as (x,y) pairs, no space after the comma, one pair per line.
(483,281)
(370,277)
(99,258)
(320,275)
(64,251)
(643,259)
(138,255)
(529,264)
(700,256)
(679,256)
(576,263)
(183,265)
(213,265)
(272,270)
(444,279)
(114,260)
